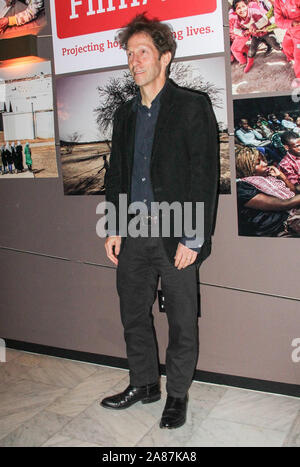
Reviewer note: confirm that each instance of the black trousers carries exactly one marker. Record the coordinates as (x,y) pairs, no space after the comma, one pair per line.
(269,39)
(141,262)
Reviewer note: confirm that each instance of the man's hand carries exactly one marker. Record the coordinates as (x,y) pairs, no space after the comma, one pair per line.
(3,24)
(184,256)
(274,171)
(110,242)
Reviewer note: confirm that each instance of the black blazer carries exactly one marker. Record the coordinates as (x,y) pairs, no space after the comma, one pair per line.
(184,162)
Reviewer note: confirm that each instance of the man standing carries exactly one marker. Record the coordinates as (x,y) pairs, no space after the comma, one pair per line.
(290,164)
(164,149)
(287,16)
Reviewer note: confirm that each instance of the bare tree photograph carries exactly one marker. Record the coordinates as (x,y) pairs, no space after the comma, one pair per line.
(86,105)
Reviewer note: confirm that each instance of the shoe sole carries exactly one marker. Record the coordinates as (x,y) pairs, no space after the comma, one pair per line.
(172,427)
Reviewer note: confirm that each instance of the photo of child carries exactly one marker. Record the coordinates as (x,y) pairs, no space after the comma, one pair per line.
(264,45)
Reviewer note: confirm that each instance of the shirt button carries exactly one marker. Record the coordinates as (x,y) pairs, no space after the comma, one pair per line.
(149,114)
(143,179)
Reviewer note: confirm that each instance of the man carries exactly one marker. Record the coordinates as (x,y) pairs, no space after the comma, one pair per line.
(164,149)
(290,164)
(29,14)
(250,137)
(297,127)
(287,16)
(287,122)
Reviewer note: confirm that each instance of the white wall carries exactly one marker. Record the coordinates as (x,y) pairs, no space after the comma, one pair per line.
(20,126)
(17,126)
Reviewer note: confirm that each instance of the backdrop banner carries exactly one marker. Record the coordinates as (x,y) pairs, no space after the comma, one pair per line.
(84,30)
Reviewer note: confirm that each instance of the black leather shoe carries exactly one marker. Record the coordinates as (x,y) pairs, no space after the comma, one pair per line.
(174,414)
(131,395)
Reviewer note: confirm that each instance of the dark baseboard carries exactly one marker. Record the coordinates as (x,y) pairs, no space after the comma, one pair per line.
(201,376)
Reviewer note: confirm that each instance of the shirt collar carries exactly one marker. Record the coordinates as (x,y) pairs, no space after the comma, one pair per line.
(138,99)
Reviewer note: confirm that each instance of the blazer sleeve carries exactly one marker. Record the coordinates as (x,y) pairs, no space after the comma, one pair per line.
(205,161)
(112,179)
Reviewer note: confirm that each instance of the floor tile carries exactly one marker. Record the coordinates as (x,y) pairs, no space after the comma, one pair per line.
(59,440)
(268,411)
(293,437)
(112,428)
(223,433)
(85,393)
(31,360)
(61,372)
(12,371)
(11,354)
(35,431)
(22,400)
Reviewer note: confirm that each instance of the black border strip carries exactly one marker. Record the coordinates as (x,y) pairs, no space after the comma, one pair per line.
(201,376)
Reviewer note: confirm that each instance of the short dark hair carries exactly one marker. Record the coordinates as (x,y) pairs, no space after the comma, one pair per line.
(236,2)
(160,33)
(287,136)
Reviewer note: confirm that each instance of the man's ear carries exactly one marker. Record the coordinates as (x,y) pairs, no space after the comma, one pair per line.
(166,58)
(286,147)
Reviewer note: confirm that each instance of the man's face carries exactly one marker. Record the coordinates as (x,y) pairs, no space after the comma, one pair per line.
(245,124)
(144,63)
(242,9)
(294,147)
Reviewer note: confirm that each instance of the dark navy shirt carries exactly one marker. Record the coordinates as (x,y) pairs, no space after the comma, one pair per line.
(141,189)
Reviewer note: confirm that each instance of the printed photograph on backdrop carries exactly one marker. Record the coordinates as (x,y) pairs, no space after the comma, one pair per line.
(26,120)
(264,45)
(86,105)
(267,154)
(21,17)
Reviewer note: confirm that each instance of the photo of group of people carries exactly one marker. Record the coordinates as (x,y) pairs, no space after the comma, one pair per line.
(264,45)
(12,158)
(267,149)
(27,120)
(21,17)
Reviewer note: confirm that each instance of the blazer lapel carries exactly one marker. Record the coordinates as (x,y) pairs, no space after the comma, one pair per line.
(130,139)
(166,104)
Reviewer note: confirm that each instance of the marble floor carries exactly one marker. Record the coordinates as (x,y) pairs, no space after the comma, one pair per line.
(48,401)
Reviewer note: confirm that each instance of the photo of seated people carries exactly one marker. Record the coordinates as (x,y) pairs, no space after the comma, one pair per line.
(264,45)
(21,17)
(267,153)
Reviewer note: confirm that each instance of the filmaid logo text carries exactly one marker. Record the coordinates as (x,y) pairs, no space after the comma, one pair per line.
(81,17)
(96,7)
